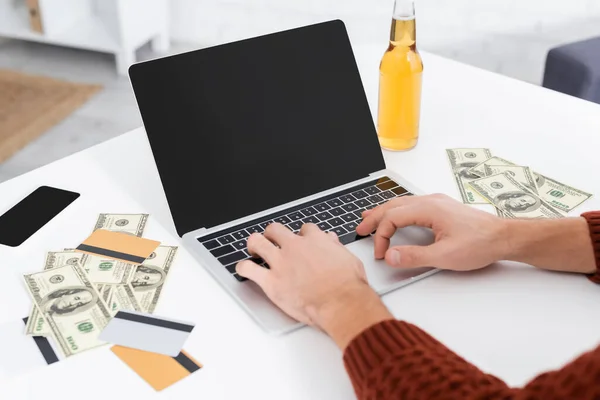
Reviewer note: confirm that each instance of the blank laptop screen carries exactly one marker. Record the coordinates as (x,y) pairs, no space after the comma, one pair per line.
(243,127)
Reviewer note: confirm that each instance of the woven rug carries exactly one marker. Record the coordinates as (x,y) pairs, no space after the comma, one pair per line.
(30,105)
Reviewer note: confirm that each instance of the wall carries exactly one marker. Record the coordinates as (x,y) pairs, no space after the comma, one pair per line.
(507,36)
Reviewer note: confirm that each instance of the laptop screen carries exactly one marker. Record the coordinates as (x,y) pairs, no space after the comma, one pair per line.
(243,127)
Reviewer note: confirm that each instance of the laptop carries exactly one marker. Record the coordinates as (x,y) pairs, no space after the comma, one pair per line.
(275,128)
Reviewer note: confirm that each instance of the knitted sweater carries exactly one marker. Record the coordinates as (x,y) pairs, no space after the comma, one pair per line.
(397,360)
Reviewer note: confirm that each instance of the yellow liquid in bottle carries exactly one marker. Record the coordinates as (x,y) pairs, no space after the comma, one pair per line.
(400,75)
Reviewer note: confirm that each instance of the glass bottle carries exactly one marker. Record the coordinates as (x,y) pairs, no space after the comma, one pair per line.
(400,76)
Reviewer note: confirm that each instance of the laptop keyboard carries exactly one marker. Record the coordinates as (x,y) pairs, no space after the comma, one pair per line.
(339,212)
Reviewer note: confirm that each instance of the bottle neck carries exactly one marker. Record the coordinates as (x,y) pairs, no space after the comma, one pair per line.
(404,27)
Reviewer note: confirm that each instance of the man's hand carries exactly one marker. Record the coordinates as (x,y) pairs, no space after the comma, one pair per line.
(314,279)
(465,238)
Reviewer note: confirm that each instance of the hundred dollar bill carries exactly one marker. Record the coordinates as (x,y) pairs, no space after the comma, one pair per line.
(133,224)
(462,160)
(479,169)
(107,271)
(149,277)
(558,195)
(123,298)
(35,323)
(71,305)
(512,198)
(523,175)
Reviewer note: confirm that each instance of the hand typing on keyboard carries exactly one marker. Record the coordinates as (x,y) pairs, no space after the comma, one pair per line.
(313,278)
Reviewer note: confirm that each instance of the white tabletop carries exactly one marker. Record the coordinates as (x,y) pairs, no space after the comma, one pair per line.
(511,320)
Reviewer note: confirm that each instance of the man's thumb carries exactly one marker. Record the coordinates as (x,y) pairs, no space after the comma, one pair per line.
(410,256)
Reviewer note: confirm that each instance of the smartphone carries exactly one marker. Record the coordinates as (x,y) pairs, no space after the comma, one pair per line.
(27,217)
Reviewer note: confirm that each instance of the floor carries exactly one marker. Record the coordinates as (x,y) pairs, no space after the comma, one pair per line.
(110,113)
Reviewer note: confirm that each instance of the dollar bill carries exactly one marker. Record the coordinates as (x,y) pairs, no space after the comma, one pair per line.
(512,198)
(122,297)
(107,271)
(71,305)
(36,325)
(133,224)
(148,279)
(479,169)
(461,161)
(558,195)
(523,175)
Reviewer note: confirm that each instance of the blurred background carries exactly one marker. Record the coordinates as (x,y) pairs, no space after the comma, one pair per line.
(85,47)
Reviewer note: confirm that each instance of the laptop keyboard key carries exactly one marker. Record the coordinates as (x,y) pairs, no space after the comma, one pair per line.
(324,226)
(358,213)
(231,268)
(372,190)
(239,235)
(296,225)
(349,217)
(295,216)
(351,227)
(221,251)
(255,229)
(323,216)
(337,211)
(311,220)
(375,199)
(336,221)
(283,220)
(349,207)
(240,278)
(362,203)
(360,194)
(308,211)
(387,195)
(335,202)
(226,239)
(347,198)
(399,191)
(322,207)
(240,245)
(232,258)
(211,244)
(339,231)
(265,224)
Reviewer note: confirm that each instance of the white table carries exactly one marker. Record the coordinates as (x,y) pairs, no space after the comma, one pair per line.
(511,320)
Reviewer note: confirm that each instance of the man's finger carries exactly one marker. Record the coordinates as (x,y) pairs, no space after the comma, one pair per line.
(395,218)
(279,234)
(414,256)
(260,246)
(253,271)
(333,237)
(309,229)
(371,220)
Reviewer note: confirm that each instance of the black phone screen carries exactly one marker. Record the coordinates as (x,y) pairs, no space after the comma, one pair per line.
(33,212)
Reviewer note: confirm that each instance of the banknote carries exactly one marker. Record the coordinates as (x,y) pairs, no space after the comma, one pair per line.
(149,277)
(36,323)
(133,224)
(512,198)
(523,175)
(107,271)
(71,305)
(558,195)
(479,169)
(462,160)
(122,297)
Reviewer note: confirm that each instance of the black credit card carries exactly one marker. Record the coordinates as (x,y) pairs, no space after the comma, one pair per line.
(33,212)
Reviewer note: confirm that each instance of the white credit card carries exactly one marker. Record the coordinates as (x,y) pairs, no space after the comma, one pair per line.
(147,332)
(20,353)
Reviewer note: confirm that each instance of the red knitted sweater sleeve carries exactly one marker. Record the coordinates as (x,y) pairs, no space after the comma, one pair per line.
(397,360)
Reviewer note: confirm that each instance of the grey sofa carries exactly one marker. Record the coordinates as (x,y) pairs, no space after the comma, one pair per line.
(575,69)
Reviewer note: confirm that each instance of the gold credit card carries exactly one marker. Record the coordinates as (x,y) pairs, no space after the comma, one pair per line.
(117,245)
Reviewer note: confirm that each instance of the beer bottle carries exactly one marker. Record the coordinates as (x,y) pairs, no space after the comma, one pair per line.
(400,75)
